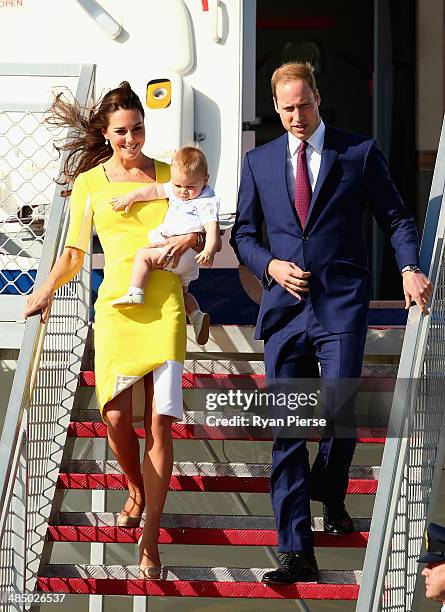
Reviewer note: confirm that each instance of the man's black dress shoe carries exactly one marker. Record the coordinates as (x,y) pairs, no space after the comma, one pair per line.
(294,567)
(336,519)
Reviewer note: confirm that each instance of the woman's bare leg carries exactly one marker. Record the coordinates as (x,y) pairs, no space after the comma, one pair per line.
(125,446)
(157,469)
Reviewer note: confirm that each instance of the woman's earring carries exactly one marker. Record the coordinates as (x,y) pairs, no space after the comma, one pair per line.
(106,142)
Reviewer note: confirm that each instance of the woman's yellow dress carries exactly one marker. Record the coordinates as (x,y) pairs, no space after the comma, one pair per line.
(132,341)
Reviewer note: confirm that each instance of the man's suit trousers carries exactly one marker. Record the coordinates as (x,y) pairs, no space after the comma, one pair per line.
(303,349)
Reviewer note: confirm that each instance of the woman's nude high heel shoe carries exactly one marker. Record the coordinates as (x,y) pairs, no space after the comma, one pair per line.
(149,572)
(128,520)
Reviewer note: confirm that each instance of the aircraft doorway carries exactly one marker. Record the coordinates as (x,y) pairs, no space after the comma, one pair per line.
(361,52)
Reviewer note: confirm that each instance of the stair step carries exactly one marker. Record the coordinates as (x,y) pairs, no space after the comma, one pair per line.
(383,374)
(89,424)
(194,582)
(223,366)
(239,339)
(202,468)
(203,476)
(193,521)
(206,365)
(197,529)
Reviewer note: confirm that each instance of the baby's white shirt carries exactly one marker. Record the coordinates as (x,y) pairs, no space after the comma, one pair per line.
(187,216)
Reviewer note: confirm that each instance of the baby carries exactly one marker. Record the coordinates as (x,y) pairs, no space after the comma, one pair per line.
(193,207)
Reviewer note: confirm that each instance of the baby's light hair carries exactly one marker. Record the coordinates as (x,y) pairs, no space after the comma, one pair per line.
(190,160)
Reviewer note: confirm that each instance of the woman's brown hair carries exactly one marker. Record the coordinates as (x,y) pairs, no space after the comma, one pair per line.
(86,148)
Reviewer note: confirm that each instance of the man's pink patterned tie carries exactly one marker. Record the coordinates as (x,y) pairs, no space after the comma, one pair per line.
(303,190)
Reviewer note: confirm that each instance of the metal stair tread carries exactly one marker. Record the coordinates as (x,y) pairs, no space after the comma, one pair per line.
(381,340)
(203,377)
(196,582)
(190,430)
(193,521)
(204,468)
(226,574)
(239,367)
(193,417)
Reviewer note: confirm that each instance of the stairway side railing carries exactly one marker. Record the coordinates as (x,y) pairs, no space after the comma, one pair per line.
(415,449)
(42,394)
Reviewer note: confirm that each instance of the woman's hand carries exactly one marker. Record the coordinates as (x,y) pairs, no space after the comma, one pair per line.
(123,202)
(65,269)
(205,258)
(39,301)
(175,246)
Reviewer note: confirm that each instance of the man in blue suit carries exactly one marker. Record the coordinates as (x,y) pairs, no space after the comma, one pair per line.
(310,188)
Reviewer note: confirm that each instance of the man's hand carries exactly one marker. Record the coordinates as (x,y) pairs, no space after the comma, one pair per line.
(290,277)
(417,288)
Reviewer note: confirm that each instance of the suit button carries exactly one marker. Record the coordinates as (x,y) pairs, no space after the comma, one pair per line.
(305,237)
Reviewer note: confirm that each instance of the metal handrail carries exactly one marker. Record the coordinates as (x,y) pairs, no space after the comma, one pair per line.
(27,427)
(415,449)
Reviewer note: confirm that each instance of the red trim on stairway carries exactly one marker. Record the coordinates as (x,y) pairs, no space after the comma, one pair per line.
(245,381)
(192,536)
(201,381)
(235,484)
(182,431)
(198,588)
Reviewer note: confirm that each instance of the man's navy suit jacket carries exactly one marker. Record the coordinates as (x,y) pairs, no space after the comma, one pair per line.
(353,173)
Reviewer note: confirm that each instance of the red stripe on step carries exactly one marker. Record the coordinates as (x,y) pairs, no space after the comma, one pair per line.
(225,484)
(198,588)
(200,381)
(246,381)
(201,536)
(183,431)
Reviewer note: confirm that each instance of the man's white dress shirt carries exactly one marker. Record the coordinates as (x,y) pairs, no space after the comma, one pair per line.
(313,157)
(313,160)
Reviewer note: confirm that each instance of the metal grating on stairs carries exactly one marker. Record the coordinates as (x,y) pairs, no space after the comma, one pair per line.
(413,460)
(34,431)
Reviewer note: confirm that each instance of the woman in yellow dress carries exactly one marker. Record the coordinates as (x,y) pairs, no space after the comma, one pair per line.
(136,344)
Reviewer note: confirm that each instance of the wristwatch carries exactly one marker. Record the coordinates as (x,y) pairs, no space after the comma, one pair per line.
(410,269)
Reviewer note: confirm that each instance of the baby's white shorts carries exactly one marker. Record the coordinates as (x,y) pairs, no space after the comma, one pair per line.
(187,268)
